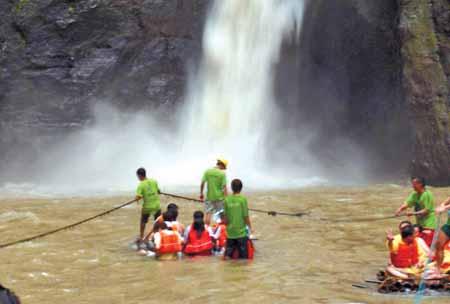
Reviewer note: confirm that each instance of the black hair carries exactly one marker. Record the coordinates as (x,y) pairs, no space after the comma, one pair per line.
(199,223)
(418,226)
(407,231)
(167,216)
(236,185)
(141,172)
(420,179)
(159,226)
(405,222)
(172,206)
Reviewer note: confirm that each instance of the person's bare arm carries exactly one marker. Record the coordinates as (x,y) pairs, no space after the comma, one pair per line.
(421,213)
(390,239)
(402,208)
(445,206)
(202,188)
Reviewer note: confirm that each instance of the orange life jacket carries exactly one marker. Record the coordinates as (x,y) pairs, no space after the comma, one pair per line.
(406,256)
(169,242)
(222,240)
(198,245)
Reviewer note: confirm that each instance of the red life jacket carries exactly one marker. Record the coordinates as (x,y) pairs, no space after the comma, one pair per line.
(222,240)
(406,256)
(427,235)
(169,242)
(198,245)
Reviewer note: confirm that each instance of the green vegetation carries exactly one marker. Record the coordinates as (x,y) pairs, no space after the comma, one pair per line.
(20,5)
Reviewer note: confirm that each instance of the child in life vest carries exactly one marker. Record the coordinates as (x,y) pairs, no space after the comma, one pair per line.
(406,255)
(220,235)
(168,243)
(197,237)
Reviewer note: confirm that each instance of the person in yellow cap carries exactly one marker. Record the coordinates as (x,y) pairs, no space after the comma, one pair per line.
(216,191)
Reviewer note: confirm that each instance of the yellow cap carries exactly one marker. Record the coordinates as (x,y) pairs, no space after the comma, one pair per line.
(223,161)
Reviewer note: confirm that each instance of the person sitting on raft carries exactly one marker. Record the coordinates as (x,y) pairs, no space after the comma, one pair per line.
(422,201)
(220,234)
(198,237)
(419,233)
(170,219)
(443,241)
(237,220)
(406,255)
(168,243)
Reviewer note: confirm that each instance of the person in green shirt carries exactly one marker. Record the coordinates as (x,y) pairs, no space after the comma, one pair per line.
(148,191)
(216,191)
(237,220)
(444,235)
(422,201)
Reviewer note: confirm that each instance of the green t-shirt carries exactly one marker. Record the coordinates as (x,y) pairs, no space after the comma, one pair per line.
(216,181)
(148,189)
(236,209)
(420,202)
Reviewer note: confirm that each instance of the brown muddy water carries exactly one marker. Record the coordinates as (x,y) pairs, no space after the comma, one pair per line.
(298,260)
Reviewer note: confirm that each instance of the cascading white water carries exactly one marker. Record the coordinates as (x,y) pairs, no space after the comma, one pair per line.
(228,111)
(231,100)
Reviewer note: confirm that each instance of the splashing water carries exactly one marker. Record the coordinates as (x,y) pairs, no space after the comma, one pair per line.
(228,111)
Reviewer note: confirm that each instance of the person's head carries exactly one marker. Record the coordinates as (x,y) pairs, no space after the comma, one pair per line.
(408,234)
(404,224)
(236,185)
(167,216)
(418,184)
(141,174)
(199,222)
(222,163)
(417,229)
(172,206)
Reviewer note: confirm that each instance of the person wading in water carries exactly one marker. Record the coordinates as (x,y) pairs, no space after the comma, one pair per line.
(422,201)
(148,191)
(216,181)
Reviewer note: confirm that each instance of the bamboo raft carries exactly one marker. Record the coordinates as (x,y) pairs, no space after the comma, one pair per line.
(389,284)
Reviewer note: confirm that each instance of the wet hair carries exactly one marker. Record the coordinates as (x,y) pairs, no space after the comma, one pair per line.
(420,179)
(172,206)
(236,185)
(199,223)
(408,223)
(170,215)
(419,227)
(167,216)
(159,226)
(141,172)
(407,231)
(10,296)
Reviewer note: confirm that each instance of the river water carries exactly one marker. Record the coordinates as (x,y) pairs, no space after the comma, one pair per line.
(298,260)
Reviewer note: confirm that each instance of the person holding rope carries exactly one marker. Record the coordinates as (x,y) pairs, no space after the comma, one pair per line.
(443,240)
(148,191)
(422,201)
(216,191)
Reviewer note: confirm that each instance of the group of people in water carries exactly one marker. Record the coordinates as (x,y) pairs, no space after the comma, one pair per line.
(424,246)
(168,239)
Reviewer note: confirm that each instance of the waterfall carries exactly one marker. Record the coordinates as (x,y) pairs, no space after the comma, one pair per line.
(230,105)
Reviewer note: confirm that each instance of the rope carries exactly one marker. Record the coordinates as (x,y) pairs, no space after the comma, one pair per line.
(364,219)
(65,227)
(421,289)
(272,213)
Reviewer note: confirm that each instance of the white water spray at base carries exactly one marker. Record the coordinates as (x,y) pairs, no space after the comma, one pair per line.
(228,111)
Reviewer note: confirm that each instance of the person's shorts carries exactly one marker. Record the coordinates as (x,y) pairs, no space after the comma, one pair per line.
(213,206)
(146,215)
(446,230)
(238,245)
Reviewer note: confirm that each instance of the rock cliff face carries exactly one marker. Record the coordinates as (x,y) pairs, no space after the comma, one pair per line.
(367,76)
(374,76)
(58,57)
